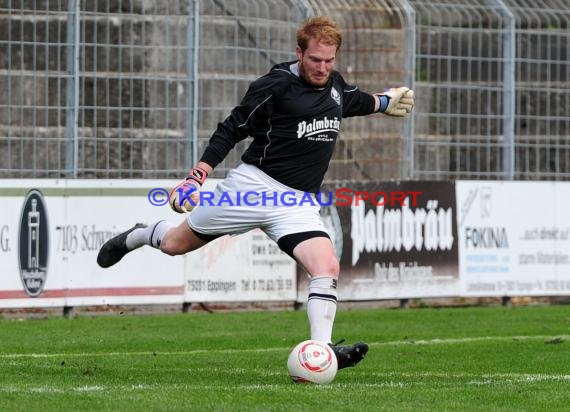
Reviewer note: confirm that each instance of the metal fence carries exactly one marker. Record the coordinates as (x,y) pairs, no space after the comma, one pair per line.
(492,81)
(133,88)
(125,89)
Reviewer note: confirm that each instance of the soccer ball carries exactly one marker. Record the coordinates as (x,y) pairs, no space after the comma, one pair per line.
(312,361)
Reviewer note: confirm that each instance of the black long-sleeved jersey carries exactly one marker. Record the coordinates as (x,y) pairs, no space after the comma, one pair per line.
(294,125)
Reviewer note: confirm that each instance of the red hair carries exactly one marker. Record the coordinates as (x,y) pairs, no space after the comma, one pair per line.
(321,28)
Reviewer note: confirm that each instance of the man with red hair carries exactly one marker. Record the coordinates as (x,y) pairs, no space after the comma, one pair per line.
(293,113)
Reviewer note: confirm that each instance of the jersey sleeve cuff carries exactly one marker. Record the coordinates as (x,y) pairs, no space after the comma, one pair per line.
(383,101)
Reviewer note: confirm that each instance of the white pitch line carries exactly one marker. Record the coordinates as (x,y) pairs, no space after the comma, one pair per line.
(191,387)
(471,339)
(420,380)
(487,377)
(449,341)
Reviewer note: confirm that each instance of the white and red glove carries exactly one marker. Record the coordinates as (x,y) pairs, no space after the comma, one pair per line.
(186,195)
(400,101)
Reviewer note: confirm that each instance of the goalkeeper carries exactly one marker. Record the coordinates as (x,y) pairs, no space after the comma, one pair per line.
(293,114)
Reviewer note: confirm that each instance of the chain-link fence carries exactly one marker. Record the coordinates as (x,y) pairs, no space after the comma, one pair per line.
(492,85)
(542,76)
(133,88)
(123,89)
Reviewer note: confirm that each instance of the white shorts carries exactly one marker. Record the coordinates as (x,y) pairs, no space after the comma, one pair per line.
(248,199)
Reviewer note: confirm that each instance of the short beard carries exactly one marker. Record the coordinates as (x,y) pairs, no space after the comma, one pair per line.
(308,80)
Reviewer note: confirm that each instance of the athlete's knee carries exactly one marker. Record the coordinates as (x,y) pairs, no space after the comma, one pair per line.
(334,267)
(173,245)
(328,265)
(177,243)
(170,247)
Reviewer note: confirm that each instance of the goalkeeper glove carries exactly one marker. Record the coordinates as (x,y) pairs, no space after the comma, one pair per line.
(186,195)
(400,101)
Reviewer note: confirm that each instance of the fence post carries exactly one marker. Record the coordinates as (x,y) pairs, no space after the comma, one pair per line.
(72,98)
(192,54)
(509,45)
(407,168)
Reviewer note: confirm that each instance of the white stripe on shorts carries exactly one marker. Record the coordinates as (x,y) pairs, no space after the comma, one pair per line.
(276,220)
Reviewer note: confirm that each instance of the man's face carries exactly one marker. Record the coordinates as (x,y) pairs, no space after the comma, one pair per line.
(316,63)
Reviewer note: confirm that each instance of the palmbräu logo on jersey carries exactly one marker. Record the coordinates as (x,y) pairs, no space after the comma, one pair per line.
(33,243)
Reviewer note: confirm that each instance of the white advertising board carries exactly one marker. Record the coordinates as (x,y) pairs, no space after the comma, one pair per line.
(514,238)
(253,268)
(52,230)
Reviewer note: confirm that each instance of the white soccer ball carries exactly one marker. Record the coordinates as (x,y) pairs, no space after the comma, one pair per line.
(312,361)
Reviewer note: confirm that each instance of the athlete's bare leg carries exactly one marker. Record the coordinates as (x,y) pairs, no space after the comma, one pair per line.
(318,258)
(180,240)
(170,239)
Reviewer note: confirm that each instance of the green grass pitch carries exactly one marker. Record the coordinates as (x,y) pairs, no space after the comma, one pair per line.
(458,359)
